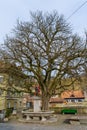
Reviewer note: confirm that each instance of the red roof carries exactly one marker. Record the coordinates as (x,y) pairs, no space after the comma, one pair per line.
(56,100)
(69,94)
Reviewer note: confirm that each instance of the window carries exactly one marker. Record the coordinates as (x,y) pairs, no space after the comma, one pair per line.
(1,92)
(1,78)
(8,105)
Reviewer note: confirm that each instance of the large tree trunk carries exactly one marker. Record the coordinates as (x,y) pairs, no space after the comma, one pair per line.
(45,102)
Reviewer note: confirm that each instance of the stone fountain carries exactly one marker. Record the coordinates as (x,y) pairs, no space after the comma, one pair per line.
(37,113)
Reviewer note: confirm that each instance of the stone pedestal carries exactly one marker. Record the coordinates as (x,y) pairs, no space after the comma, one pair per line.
(37,104)
(28,118)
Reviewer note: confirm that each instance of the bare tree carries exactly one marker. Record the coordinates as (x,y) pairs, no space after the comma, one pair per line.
(46,49)
(84,68)
(15,80)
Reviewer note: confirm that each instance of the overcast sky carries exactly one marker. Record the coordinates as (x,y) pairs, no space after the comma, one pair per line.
(11,10)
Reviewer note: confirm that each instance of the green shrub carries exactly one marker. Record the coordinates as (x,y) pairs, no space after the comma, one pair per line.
(8,112)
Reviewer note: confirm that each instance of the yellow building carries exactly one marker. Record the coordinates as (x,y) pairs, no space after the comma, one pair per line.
(2,92)
(8,100)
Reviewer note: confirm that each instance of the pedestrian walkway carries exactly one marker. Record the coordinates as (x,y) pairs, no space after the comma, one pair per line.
(21,126)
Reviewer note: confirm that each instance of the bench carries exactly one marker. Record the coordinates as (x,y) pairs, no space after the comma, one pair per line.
(81,118)
(69,111)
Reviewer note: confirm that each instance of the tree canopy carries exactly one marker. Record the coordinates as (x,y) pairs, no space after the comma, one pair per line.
(46,49)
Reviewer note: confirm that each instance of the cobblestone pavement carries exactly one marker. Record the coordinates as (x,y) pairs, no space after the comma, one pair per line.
(18,126)
(59,125)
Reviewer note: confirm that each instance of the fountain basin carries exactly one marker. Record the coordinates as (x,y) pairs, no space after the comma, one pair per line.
(41,115)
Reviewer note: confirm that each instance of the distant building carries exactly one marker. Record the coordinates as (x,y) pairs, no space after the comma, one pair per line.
(73,96)
(55,100)
(8,100)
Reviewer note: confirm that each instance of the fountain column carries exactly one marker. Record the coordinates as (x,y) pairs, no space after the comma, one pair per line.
(37,104)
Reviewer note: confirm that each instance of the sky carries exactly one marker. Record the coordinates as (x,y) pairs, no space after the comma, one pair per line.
(12,10)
